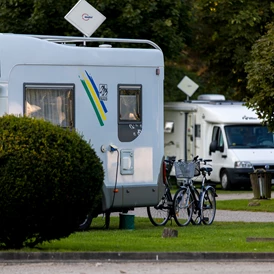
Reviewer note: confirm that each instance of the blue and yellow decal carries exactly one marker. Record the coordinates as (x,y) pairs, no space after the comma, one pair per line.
(94,97)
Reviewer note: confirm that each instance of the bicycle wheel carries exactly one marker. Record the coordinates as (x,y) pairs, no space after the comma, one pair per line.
(196,212)
(208,206)
(183,206)
(160,214)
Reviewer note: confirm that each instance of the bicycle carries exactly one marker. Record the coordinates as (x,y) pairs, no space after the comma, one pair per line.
(163,211)
(191,205)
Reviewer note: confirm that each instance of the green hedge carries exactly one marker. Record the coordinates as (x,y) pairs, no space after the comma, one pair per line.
(50,178)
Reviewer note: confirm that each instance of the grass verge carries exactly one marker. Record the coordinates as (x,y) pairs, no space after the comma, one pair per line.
(218,237)
(260,205)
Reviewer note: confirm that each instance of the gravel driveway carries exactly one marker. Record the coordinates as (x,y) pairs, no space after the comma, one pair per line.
(229,216)
(245,216)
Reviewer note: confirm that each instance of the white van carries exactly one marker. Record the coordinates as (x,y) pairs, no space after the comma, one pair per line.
(225,131)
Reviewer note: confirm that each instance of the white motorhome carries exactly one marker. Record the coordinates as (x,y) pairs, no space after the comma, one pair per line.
(225,131)
(112,95)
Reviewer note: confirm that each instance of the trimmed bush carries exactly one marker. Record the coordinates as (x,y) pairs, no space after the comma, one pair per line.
(50,179)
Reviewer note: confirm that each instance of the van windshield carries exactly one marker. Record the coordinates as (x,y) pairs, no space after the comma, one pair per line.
(249,136)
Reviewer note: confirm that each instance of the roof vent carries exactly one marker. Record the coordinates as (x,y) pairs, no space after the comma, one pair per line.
(211,97)
(105,46)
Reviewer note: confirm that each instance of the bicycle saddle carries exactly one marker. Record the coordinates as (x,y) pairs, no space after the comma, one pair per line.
(207,169)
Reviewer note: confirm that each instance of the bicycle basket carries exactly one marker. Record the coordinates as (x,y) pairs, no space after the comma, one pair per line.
(184,169)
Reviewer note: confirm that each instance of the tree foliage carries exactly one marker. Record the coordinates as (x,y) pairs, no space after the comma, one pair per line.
(225,32)
(174,73)
(209,41)
(165,22)
(261,78)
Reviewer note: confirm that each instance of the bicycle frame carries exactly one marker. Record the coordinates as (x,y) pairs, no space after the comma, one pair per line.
(200,199)
(196,196)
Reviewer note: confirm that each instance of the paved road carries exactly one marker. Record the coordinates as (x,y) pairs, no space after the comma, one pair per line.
(230,216)
(139,268)
(225,215)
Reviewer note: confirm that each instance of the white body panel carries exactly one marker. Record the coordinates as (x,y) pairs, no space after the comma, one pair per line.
(194,125)
(24,59)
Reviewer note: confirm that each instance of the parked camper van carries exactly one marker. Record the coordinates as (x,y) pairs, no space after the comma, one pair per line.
(225,131)
(111,95)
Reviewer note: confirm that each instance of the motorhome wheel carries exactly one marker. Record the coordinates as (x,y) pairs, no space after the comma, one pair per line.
(225,181)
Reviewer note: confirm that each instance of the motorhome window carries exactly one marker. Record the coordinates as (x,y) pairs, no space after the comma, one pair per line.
(169,127)
(198,131)
(130,103)
(246,136)
(54,103)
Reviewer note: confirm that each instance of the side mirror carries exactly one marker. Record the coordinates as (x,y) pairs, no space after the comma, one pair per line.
(212,147)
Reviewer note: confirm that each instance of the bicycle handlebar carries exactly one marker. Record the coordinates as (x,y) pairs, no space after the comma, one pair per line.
(204,170)
(197,159)
(207,160)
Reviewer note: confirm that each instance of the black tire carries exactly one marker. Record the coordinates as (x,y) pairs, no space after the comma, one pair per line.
(196,212)
(208,206)
(160,214)
(86,223)
(183,206)
(225,180)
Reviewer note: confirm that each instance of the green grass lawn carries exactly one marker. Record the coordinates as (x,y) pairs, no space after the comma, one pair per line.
(260,205)
(218,237)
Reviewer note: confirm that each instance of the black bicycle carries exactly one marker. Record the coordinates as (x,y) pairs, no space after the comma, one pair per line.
(189,203)
(163,211)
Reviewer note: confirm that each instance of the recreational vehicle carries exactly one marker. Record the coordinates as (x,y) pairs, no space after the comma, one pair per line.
(225,131)
(113,95)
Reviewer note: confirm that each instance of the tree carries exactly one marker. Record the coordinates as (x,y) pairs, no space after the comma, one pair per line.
(261,78)
(164,22)
(224,34)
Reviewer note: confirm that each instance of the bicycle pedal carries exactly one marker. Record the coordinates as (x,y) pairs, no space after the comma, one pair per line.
(206,219)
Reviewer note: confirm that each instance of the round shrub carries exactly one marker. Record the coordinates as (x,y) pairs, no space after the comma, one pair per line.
(50,179)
